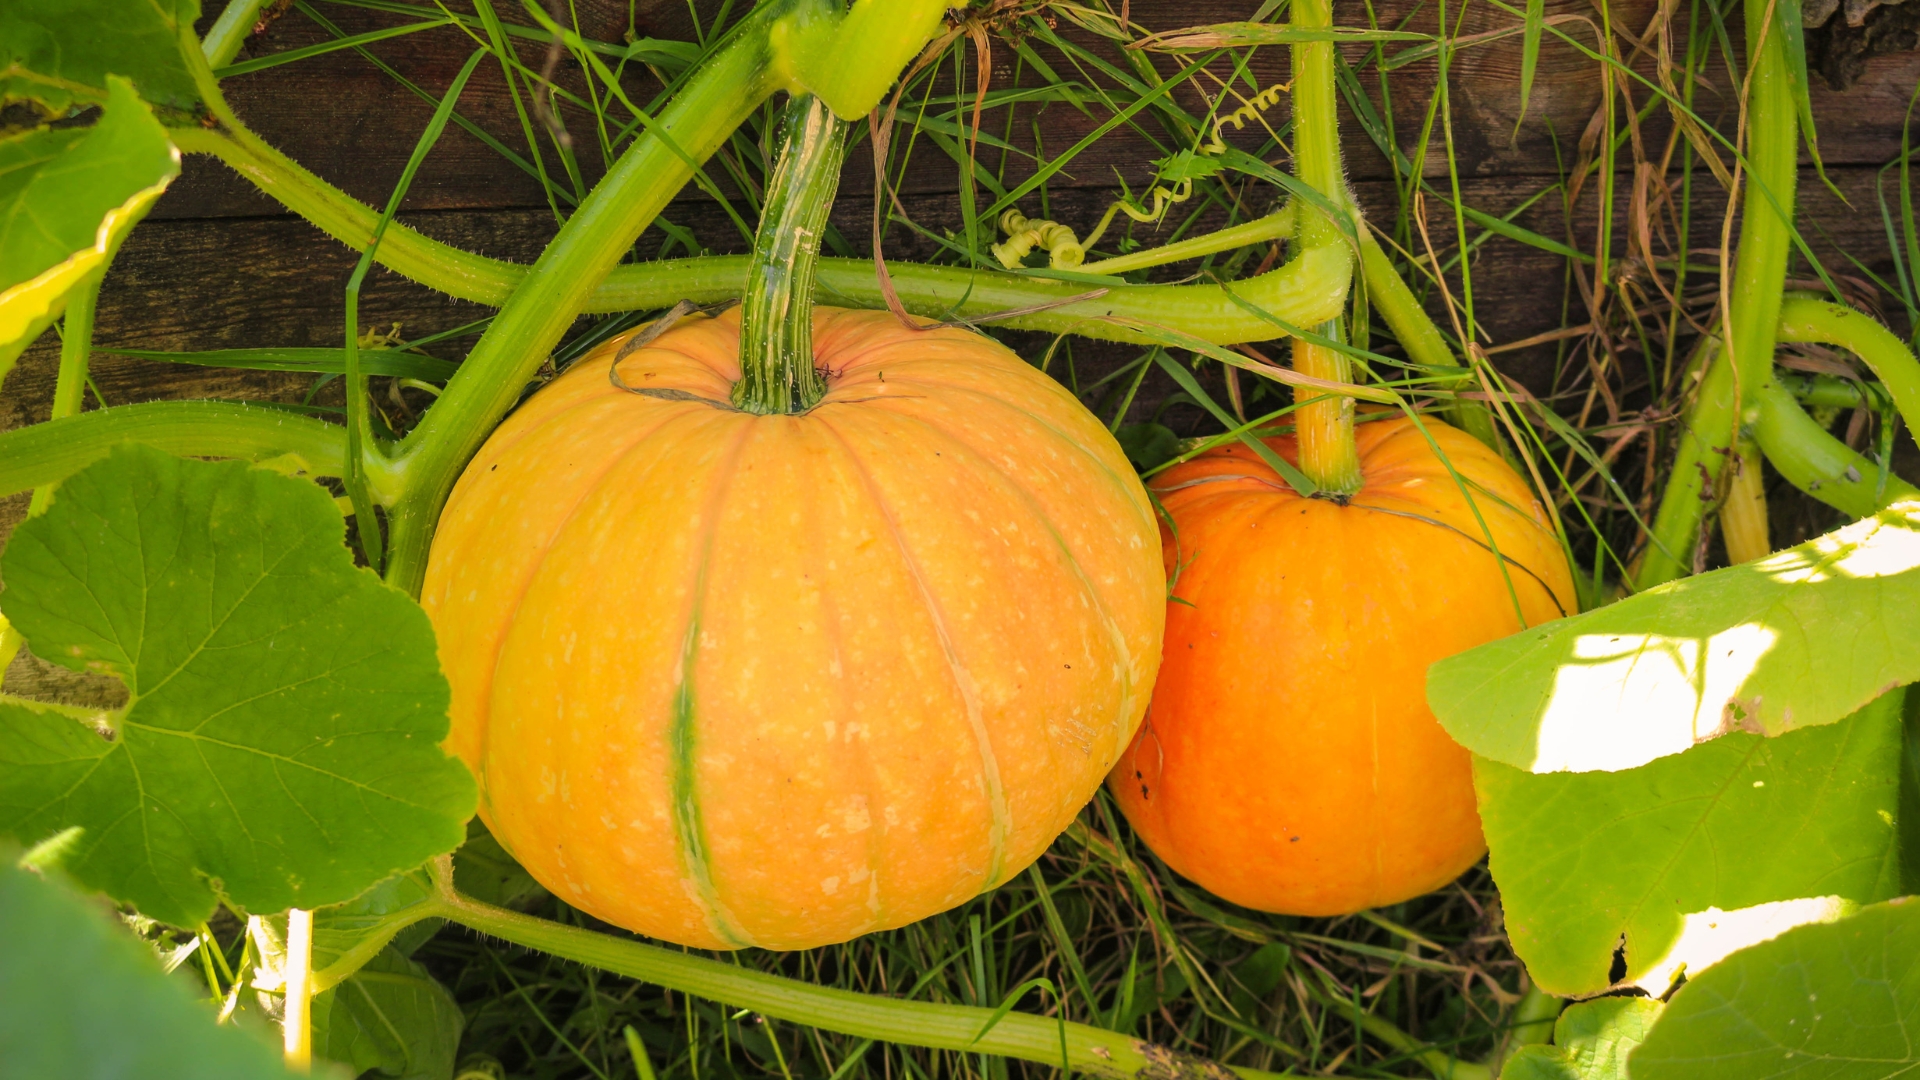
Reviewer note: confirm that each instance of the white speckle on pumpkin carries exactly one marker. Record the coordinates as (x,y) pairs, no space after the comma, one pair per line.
(830,885)
(856,816)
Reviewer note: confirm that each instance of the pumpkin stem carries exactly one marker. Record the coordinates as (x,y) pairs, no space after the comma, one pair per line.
(776,313)
(1324,424)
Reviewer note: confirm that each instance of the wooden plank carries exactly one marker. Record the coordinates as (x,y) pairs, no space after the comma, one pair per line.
(342,117)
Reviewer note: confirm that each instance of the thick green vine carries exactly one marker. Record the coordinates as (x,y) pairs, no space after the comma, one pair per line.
(1751,303)
(715,100)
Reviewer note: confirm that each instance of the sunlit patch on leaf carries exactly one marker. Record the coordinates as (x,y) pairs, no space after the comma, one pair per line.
(1710,936)
(1837,1001)
(279,747)
(1798,639)
(1615,705)
(67,199)
(1583,859)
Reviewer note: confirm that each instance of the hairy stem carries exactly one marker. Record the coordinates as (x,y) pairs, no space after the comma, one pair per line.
(1709,429)
(1275,226)
(1743,517)
(49,453)
(776,312)
(967,1028)
(230,31)
(1826,323)
(1324,424)
(1816,462)
(70,386)
(403,250)
(716,99)
(1389,296)
(1305,292)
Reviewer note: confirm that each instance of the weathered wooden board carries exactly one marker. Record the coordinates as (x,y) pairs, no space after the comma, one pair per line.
(346,119)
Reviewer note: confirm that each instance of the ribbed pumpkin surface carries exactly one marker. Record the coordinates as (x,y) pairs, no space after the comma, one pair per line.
(738,680)
(1289,762)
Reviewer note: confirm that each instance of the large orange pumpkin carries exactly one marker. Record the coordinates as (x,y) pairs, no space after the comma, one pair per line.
(1288,762)
(730,679)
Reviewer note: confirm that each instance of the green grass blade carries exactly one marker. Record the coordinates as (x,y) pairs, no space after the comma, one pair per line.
(1529,56)
(390,362)
(262,63)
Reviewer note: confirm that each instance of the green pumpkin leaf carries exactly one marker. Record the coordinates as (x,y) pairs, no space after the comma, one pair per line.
(68,198)
(1835,1001)
(60,53)
(85,999)
(1660,861)
(279,748)
(1801,638)
(1540,1063)
(1147,445)
(391,1019)
(1186,165)
(1591,1041)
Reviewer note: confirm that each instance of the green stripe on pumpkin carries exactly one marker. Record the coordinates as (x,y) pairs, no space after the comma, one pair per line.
(688,827)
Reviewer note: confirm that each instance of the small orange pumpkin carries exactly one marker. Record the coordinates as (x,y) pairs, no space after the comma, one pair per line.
(1288,762)
(730,679)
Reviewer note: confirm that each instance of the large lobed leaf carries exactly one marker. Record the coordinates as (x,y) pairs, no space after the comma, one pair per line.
(84,999)
(59,53)
(1835,1001)
(279,748)
(1798,639)
(67,199)
(392,1019)
(1684,859)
